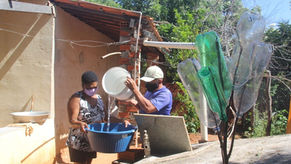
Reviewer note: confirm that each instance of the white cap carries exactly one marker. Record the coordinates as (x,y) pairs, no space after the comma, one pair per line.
(152,73)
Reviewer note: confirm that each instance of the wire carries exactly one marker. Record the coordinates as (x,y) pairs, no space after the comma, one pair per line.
(94,43)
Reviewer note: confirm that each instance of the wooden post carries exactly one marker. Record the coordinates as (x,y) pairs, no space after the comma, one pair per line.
(269,103)
(288,130)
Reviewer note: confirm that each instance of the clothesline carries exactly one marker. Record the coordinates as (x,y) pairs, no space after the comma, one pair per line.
(81,43)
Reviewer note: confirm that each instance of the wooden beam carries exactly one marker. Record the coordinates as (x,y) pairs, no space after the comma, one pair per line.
(81,11)
(24,7)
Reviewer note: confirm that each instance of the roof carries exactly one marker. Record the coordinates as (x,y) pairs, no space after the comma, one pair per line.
(108,20)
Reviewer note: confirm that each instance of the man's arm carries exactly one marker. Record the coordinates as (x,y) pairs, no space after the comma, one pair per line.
(143,103)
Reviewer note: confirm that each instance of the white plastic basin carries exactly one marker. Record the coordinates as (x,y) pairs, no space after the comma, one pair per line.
(33,116)
(113,83)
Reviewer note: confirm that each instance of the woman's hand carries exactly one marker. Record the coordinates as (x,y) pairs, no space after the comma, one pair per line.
(126,123)
(83,125)
(79,124)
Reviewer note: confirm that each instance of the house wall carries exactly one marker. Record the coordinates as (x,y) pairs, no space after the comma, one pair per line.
(71,61)
(17,146)
(26,69)
(25,63)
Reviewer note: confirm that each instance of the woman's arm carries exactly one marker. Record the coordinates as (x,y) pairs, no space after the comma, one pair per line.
(73,112)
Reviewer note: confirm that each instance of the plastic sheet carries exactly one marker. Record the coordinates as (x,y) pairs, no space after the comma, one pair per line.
(211,55)
(187,71)
(250,27)
(245,96)
(248,61)
(212,60)
(213,119)
(219,75)
(213,92)
(250,30)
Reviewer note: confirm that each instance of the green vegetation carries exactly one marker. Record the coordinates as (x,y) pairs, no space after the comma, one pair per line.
(280,66)
(110,3)
(259,126)
(183,20)
(279,122)
(278,126)
(190,116)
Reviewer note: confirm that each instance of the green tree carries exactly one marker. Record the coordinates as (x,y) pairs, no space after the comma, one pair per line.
(111,3)
(280,64)
(160,10)
(147,7)
(219,16)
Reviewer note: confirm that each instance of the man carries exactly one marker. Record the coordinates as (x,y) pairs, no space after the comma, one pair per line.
(157,99)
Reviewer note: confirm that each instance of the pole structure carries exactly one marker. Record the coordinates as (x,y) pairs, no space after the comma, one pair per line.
(203,103)
(204,121)
(177,45)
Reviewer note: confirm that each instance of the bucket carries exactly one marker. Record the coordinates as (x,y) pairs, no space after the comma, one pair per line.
(113,83)
(116,140)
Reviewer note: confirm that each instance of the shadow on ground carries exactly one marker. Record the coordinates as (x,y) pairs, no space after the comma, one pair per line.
(271,159)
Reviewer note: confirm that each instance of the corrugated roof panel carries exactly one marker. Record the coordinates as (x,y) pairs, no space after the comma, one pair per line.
(104,19)
(108,20)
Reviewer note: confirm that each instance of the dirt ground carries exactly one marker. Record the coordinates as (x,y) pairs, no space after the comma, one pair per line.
(195,138)
(262,150)
(107,158)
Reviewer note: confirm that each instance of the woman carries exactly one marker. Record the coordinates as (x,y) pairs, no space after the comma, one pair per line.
(84,107)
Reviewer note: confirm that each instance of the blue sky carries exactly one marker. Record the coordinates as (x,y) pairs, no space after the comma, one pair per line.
(274,11)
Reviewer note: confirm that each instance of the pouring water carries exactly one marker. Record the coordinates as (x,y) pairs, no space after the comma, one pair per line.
(111,104)
(113,84)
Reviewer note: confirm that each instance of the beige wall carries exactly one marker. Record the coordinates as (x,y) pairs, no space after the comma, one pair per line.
(71,61)
(29,68)
(36,148)
(25,63)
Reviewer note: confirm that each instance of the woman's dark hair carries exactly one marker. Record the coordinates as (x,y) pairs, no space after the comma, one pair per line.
(89,77)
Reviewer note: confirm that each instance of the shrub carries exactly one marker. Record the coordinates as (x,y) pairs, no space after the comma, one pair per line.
(187,109)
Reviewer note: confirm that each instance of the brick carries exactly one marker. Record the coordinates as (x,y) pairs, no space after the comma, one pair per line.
(131,54)
(124,33)
(124,47)
(130,67)
(123,60)
(123,114)
(131,155)
(131,108)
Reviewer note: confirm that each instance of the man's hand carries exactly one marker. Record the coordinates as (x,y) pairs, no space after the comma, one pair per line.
(131,101)
(130,83)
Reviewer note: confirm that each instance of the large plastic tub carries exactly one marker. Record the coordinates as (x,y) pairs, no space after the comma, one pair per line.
(116,140)
(113,83)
